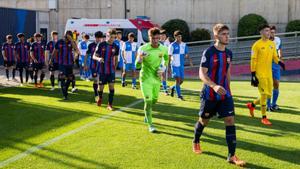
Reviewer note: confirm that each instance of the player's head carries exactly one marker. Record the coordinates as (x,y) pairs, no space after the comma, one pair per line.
(221,33)
(178,36)
(163,35)
(264,31)
(54,35)
(99,36)
(9,38)
(119,34)
(68,33)
(154,36)
(21,37)
(272,32)
(131,37)
(86,37)
(38,37)
(111,35)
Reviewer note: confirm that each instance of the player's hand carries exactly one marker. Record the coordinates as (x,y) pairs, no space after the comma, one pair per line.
(4,58)
(282,65)
(101,60)
(35,61)
(69,38)
(219,89)
(254,80)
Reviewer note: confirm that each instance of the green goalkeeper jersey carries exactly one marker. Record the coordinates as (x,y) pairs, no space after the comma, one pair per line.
(152,62)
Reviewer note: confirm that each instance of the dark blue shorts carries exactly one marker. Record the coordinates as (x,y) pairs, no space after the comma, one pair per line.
(66,70)
(94,72)
(53,67)
(107,78)
(210,108)
(38,66)
(22,65)
(9,63)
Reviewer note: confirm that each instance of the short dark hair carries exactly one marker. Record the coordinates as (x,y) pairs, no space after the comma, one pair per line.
(86,36)
(153,31)
(112,31)
(37,35)
(9,36)
(273,27)
(19,35)
(54,33)
(69,32)
(131,35)
(219,28)
(99,34)
(119,32)
(163,32)
(177,33)
(263,26)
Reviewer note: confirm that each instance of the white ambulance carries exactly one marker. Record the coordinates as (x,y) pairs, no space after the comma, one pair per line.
(138,26)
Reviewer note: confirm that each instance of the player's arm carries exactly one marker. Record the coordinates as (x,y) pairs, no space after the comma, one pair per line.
(97,54)
(204,65)
(123,52)
(88,52)
(74,46)
(140,56)
(32,54)
(16,53)
(3,53)
(116,57)
(187,55)
(253,65)
(277,60)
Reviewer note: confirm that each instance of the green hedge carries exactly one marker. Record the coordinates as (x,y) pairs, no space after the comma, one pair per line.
(177,24)
(293,26)
(248,24)
(200,34)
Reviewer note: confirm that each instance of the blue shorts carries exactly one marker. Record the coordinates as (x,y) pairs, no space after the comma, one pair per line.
(178,72)
(66,70)
(209,108)
(276,71)
(120,65)
(129,66)
(106,78)
(81,60)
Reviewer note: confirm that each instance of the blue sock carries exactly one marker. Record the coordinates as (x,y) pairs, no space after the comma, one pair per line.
(134,81)
(123,79)
(269,103)
(178,90)
(81,71)
(231,140)
(164,84)
(275,96)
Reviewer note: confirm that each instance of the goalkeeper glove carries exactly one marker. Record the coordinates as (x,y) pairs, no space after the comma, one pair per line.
(254,80)
(282,65)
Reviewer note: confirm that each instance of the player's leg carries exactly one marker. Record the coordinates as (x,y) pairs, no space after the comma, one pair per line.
(6,70)
(95,84)
(111,85)
(35,74)
(52,79)
(20,68)
(102,82)
(176,76)
(81,68)
(207,110)
(146,89)
(178,88)
(26,72)
(275,95)
(125,67)
(133,76)
(42,76)
(74,89)
(13,67)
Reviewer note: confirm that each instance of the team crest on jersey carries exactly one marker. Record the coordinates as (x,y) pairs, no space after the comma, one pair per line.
(203,60)
(160,55)
(271,47)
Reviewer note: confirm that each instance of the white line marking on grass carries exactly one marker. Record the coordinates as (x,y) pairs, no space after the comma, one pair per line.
(60,137)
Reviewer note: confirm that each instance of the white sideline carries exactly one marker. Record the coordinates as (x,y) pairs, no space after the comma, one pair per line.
(60,137)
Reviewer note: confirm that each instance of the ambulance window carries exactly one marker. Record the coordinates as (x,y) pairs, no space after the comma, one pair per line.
(125,33)
(145,35)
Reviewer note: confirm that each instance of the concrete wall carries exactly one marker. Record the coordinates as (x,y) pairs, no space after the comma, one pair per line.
(197,13)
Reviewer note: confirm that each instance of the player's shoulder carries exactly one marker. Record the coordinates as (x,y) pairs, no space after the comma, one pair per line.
(228,51)
(257,43)
(210,50)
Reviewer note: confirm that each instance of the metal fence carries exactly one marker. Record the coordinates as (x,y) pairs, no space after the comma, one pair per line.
(241,47)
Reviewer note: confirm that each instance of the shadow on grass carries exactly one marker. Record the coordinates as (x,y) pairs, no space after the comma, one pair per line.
(60,160)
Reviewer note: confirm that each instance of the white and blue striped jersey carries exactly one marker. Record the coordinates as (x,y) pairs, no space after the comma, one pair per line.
(83,47)
(130,50)
(177,52)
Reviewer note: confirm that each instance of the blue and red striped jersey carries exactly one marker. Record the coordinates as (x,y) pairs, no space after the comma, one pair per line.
(90,51)
(8,49)
(22,49)
(108,52)
(65,52)
(217,62)
(50,47)
(38,50)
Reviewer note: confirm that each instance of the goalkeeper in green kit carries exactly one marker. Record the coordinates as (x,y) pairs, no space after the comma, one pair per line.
(152,59)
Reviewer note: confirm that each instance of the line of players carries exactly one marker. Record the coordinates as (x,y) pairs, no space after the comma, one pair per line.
(59,55)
